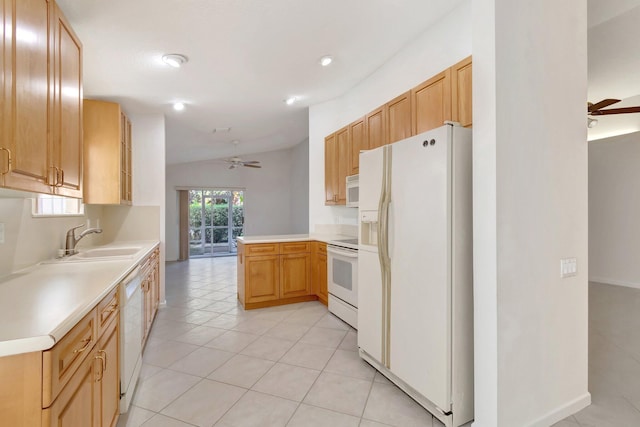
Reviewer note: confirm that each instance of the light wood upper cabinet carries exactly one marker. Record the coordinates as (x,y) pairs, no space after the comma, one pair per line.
(375,128)
(342,143)
(431,103)
(336,167)
(67,111)
(26,110)
(399,118)
(41,146)
(330,169)
(358,142)
(461,91)
(107,154)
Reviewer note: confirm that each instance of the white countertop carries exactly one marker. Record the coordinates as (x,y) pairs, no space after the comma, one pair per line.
(40,304)
(280,238)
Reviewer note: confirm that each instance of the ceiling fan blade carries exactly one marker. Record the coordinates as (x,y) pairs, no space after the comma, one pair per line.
(604,103)
(251,162)
(252,166)
(616,111)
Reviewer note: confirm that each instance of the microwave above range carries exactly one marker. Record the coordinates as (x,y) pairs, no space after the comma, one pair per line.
(353,191)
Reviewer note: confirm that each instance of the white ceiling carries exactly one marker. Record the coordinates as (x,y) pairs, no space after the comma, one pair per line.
(247,56)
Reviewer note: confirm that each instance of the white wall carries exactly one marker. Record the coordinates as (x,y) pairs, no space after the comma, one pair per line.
(148,144)
(267,199)
(439,47)
(530,210)
(300,188)
(614,209)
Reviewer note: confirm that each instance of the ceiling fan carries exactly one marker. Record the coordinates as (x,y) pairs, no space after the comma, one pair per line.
(597,108)
(236,162)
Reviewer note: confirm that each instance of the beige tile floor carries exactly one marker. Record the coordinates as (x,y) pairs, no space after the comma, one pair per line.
(210,363)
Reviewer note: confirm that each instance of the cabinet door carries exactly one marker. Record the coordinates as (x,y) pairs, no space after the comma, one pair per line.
(108,354)
(330,169)
(321,266)
(432,103)
(78,404)
(148,306)
(125,159)
(342,146)
(26,112)
(461,89)
(358,143)
(67,101)
(375,128)
(262,278)
(399,118)
(294,275)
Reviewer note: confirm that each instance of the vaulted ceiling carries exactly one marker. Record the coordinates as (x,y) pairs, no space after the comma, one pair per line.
(246,57)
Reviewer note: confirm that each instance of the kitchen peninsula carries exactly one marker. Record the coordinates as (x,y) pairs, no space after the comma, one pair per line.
(282,269)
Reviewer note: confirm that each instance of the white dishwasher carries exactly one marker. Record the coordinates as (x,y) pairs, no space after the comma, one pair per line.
(130,336)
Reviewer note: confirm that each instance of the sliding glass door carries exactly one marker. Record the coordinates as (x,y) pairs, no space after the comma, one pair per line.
(216,218)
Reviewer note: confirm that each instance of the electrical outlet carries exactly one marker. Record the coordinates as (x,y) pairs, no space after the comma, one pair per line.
(568,267)
(1,232)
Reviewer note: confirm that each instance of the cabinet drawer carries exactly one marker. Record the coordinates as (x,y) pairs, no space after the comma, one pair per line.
(60,362)
(261,249)
(294,247)
(320,247)
(108,310)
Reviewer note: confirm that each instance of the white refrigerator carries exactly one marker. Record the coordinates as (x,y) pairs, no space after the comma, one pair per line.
(415,299)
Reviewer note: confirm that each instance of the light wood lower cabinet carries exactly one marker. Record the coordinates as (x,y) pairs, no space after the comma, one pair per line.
(79,403)
(150,290)
(274,274)
(294,275)
(75,383)
(319,271)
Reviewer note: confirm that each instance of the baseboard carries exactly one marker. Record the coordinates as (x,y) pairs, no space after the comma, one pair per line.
(563,412)
(557,414)
(614,282)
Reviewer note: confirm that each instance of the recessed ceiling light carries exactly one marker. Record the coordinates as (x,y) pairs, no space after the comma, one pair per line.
(221,130)
(178,106)
(326,60)
(290,100)
(175,59)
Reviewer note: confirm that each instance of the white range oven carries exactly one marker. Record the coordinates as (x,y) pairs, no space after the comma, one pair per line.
(342,277)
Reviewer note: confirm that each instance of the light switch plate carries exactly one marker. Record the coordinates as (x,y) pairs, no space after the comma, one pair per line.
(1,232)
(568,267)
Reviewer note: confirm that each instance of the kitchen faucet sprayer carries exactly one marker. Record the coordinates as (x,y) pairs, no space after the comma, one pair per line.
(72,241)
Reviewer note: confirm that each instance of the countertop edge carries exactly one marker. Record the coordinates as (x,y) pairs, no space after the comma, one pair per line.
(283,238)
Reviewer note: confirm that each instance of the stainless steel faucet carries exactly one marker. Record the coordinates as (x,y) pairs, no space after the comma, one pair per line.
(72,241)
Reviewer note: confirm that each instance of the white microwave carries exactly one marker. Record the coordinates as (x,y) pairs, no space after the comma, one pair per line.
(353,191)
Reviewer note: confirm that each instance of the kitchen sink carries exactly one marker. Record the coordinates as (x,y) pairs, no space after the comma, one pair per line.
(98,254)
(107,253)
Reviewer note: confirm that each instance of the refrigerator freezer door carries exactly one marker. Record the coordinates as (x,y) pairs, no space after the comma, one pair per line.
(370,316)
(420,251)
(370,179)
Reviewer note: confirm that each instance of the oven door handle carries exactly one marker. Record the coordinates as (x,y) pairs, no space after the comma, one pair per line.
(336,251)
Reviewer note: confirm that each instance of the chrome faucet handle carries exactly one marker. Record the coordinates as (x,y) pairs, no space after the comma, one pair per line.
(72,229)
